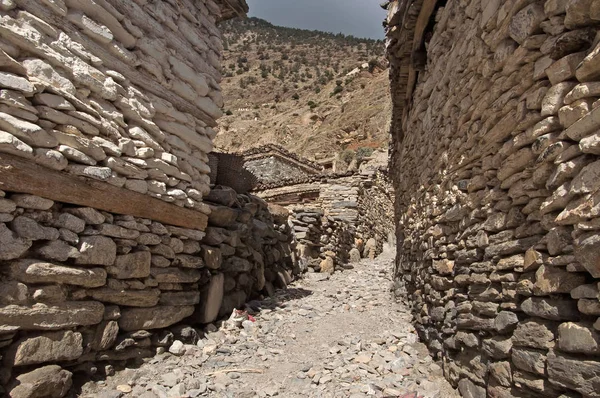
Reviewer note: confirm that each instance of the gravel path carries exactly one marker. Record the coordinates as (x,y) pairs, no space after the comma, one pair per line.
(340,337)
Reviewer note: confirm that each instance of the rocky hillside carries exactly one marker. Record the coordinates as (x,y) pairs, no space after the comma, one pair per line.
(315,93)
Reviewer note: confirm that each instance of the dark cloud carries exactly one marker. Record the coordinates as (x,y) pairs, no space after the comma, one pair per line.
(361,18)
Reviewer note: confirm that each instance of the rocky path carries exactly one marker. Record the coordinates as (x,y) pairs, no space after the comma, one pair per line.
(340,337)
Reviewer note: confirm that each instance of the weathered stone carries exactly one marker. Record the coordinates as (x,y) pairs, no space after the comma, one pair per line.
(550,280)
(11,245)
(587,252)
(589,307)
(552,309)
(49,381)
(12,292)
(89,215)
(444,267)
(468,389)
(506,321)
(97,250)
(354,255)
(34,271)
(50,294)
(578,338)
(585,291)
(51,317)
(188,261)
(221,216)
(212,298)
(133,265)
(327,265)
(179,298)
(534,334)
(70,222)
(57,250)
(27,228)
(14,146)
(13,82)
(153,318)
(212,257)
(48,347)
(106,335)
(175,275)
(574,373)
(131,298)
(529,360)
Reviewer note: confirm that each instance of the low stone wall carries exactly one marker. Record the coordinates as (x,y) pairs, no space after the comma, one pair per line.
(496,174)
(376,213)
(81,287)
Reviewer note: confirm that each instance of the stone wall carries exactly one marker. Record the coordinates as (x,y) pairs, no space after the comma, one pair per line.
(271,169)
(496,172)
(120,97)
(80,287)
(376,212)
(124,92)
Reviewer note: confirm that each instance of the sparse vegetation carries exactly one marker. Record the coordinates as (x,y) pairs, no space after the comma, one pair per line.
(298,85)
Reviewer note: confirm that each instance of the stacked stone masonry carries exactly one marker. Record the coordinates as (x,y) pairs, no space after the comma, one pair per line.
(120,96)
(339,220)
(80,287)
(496,169)
(124,92)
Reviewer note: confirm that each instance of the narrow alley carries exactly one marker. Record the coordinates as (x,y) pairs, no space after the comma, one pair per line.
(337,336)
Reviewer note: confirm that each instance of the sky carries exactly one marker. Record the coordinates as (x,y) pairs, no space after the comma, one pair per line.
(360,18)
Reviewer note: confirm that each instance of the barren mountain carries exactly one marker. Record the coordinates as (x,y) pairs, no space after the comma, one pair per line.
(315,93)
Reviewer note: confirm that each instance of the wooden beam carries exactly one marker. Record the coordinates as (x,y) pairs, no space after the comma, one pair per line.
(422,21)
(19,175)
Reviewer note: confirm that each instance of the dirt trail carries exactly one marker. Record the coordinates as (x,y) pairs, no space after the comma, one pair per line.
(340,337)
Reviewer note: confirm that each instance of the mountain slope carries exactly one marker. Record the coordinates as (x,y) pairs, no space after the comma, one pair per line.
(314,93)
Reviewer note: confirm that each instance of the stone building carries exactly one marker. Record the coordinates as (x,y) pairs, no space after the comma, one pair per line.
(272,163)
(496,172)
(110,233)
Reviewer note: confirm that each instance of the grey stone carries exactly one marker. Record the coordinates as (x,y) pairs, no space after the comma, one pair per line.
(49,381)
(48,347)
(57,250)
(27,228)
(574,373)
(133,265)
(131,298)
(35,271)
(89,215)
(97,250)
(51,317)
(468,389)
(552,309)
(11,245)
(153,318)
(506,321)
(534,334)
(578,338)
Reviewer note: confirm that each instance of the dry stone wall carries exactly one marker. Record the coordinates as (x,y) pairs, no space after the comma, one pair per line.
(496,174)
(124,92)
(81,287)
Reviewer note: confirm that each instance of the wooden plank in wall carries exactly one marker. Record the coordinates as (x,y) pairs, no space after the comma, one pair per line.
(422,21)
(19,175)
